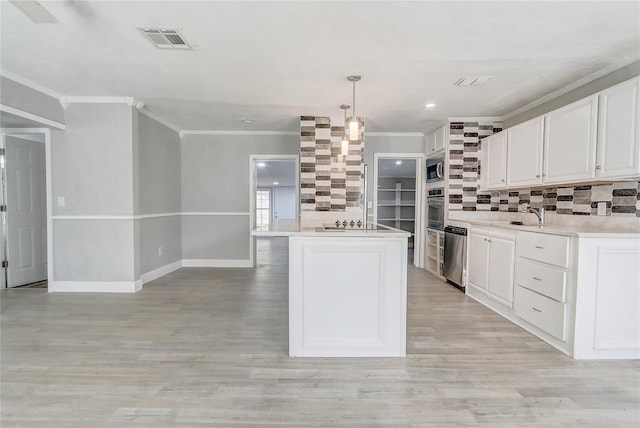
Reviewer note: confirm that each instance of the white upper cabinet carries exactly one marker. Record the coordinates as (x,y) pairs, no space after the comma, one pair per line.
(436,141)
(619,130)
(524,153)
(570,142)
(495,166)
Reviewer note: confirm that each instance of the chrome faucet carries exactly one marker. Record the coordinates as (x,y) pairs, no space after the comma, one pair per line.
(539,212)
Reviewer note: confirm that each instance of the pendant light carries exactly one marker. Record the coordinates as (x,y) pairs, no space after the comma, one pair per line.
(345,139)
(354,124)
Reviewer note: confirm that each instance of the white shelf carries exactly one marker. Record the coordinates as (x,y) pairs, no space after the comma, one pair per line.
(396,219)
(395,204)
(432,258)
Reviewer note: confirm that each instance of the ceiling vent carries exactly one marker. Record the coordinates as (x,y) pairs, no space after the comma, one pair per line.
(472,80)
(165,39)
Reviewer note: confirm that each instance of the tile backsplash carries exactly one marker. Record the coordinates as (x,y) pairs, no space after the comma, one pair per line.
(329,181)
(465,147)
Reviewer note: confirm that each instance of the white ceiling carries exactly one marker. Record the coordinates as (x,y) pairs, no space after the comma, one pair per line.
(274,61)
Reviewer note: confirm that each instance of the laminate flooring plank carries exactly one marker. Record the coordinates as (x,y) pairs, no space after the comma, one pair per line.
(205,347)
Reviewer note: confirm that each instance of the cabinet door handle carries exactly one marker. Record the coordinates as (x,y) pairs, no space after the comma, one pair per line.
(537,175)
(536,278)
(598,167)
(536,309)
(539,247)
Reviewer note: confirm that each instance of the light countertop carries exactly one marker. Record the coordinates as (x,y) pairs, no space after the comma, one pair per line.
(583,230)
(294,228)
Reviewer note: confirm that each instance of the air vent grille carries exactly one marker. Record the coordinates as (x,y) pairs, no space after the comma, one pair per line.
(165,39)
(472,80)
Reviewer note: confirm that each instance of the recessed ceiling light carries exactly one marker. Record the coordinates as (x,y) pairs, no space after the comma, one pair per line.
(275,183)
(247,120)
(398,162)
(262,164)
(430,105)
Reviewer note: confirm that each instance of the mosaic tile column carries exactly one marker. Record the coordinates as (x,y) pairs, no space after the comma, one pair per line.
(464,165)
(329,181)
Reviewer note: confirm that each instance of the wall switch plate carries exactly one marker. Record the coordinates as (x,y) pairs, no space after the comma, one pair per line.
(160,251)
(602,208)
(61,202)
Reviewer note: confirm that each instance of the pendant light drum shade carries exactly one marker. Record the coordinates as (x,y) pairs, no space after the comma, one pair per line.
(354,123)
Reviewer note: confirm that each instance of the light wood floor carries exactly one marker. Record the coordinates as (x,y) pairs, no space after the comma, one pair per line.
(208,347)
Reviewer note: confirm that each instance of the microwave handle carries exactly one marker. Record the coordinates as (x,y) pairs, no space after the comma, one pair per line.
(440,169)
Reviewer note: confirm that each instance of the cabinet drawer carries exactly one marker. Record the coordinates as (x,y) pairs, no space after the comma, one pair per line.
(552,249)
(544,313)
(540,278)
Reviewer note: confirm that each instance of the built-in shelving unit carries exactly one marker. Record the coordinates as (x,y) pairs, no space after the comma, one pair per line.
(396,203)
(435,252)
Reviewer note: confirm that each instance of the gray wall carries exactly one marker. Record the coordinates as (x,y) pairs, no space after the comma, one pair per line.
(215,179)
(92,167)
(158,185)
(20,97)
(591,88)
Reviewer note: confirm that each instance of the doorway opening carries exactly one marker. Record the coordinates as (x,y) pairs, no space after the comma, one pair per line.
(274,196)
(398,181)
(25,219)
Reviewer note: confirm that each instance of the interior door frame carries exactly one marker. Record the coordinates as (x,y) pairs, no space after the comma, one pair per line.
(419,229)
(46,132)
(253,186)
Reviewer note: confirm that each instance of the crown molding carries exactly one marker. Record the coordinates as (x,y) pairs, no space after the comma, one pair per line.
(475,119)
(575,85)
(30,84)
(393,134)
(160,120)
(195,132)
(66,100)
(29,116)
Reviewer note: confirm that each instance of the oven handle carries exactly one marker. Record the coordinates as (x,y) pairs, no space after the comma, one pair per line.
(440,169)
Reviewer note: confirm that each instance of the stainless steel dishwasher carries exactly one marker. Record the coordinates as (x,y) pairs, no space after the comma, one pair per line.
(455,255)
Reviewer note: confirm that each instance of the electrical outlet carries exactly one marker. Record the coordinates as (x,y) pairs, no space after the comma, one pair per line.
(602,208)
(160,251)
(61,202)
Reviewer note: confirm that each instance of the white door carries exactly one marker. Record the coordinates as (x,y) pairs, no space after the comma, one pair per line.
(478,260)
(619,131)
(496,160)
(524,154)
(500,271)
(570,142)
(284,203)
(26,211)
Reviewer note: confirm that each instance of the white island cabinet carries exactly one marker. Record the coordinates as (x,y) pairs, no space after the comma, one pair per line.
(347,291)
(347,296)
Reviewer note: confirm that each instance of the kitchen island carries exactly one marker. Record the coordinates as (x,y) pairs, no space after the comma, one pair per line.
(347,290)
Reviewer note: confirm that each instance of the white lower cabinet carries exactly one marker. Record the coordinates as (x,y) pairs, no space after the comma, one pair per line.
(491,264)
(541,311)
(581,294)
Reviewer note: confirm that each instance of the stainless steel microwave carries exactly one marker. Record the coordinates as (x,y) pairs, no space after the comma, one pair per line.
(435,169)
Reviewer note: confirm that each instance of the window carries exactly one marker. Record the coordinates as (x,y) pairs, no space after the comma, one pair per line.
(263,207)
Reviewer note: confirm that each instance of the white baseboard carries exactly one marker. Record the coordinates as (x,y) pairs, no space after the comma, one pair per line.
(135,286)
(161,271)
(94,287)
(217,263)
